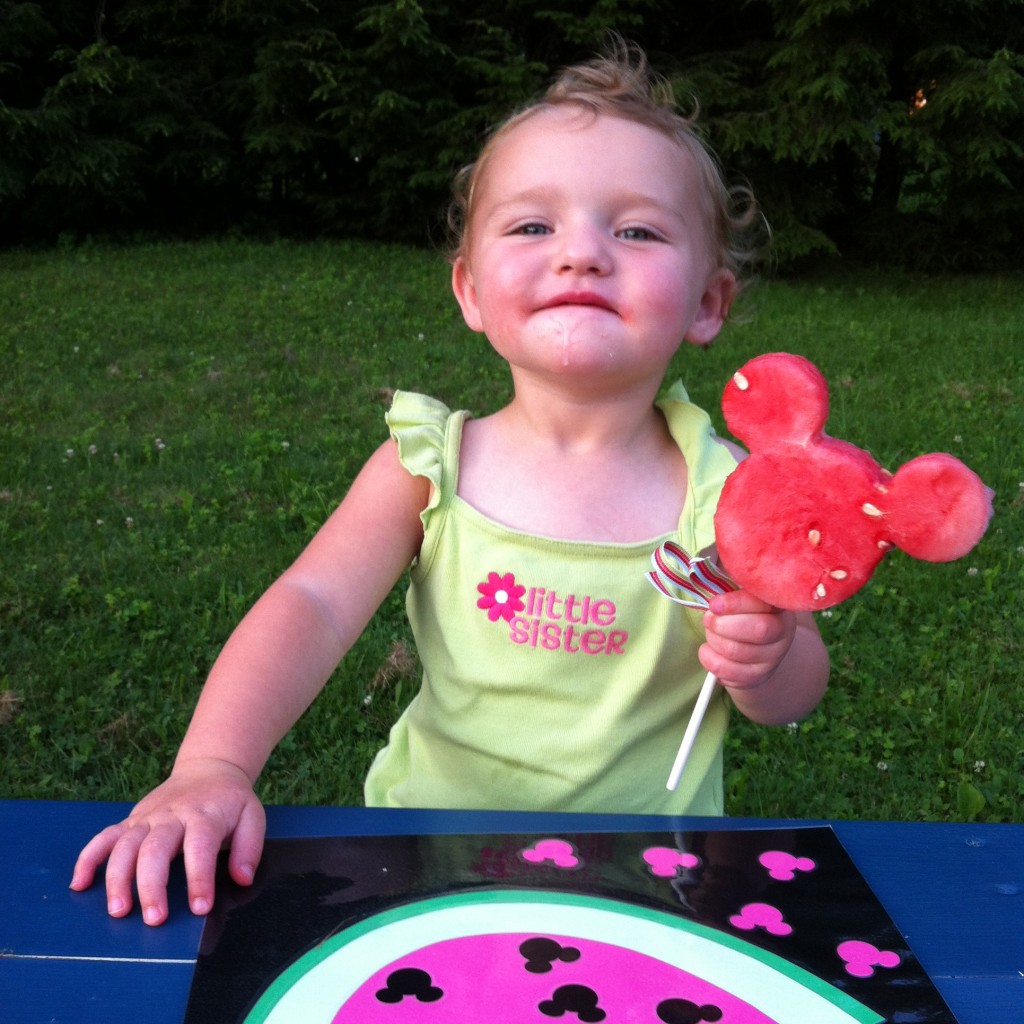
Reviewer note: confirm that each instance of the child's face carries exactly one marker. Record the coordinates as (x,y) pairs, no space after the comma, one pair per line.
(588,252)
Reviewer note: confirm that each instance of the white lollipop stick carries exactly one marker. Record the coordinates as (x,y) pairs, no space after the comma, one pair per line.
(691,582)
(707,691)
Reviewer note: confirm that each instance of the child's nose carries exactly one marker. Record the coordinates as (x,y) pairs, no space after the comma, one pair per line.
(584,250)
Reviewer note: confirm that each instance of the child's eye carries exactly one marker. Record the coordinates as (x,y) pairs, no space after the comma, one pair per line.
(530,228)
(638,234)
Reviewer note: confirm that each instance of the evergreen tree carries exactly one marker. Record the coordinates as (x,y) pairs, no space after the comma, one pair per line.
(887,131)
(879,129)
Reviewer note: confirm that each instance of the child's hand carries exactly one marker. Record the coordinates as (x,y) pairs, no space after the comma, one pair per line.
(746,639)
(201,806)
(771,661)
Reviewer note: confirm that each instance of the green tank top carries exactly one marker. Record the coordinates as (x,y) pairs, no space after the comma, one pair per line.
(555,677)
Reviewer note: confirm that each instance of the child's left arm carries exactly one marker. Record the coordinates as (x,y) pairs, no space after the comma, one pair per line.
(772,662)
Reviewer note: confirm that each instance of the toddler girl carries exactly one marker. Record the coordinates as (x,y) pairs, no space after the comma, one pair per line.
(595,236)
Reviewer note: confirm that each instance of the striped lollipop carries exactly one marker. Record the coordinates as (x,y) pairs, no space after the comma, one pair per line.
(691,582)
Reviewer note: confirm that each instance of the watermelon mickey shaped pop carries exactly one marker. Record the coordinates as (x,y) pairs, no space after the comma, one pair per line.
(803,521)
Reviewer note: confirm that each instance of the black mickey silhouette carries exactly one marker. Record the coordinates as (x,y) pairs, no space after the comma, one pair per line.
(577,999)
(409,981)
(540,954)
(682,1011)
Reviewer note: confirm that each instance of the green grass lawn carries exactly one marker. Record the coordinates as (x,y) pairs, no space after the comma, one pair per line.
(177,420)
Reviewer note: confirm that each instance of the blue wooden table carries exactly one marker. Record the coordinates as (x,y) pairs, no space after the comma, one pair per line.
(956,892)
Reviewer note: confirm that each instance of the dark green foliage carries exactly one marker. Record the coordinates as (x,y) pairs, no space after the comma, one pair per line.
(279,114)
(888,132)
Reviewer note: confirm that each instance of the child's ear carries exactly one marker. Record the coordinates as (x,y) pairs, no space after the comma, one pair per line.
(465,293)
(714,307)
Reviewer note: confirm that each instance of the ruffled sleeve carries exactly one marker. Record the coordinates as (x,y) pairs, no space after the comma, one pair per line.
(708,462)
(419,425)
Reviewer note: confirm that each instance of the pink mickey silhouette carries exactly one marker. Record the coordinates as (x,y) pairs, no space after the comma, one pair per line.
(862,958)
(557,851)
(665,862)
(783,866)
(805,519)
(760,915)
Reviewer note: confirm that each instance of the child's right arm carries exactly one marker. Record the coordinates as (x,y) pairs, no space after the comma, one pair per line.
(270,670)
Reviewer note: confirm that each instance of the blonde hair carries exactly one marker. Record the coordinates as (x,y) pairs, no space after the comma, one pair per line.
(620,84)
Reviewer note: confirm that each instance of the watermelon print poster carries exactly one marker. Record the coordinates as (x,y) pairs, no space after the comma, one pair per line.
(739,927)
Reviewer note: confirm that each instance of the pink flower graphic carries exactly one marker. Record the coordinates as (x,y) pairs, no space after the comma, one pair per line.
(501,596)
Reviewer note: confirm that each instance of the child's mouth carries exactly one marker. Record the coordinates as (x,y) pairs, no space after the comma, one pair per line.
(579,299)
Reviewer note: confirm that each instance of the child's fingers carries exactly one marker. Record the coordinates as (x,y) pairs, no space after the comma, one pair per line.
(743,647)
(247,842)
(121,866)
(204,836)
(738,632)
(93,854)
(738,602)
(119,846)
(152,867)
(735,664)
